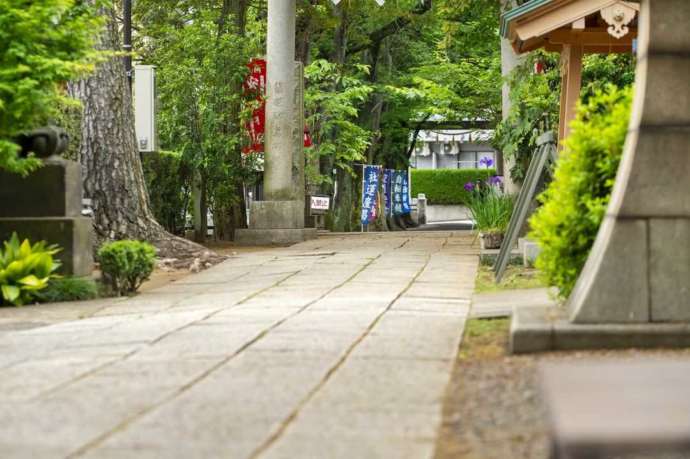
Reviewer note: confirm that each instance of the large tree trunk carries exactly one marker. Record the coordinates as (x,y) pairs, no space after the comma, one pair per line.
(112,171)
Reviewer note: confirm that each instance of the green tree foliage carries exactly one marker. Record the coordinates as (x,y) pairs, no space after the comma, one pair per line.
(575,202)
(426,60)
(447,186)
(373,75)
(201,52)
(43,44)
(333,117)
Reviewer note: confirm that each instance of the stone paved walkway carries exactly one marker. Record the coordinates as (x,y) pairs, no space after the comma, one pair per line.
(339,347)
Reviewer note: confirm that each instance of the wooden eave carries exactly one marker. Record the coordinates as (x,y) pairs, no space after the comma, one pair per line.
(548,24)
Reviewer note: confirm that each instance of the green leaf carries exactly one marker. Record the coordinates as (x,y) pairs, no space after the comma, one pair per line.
(10,292)
(31,281)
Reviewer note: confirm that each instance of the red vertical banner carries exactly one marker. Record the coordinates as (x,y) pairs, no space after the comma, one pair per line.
(255,87)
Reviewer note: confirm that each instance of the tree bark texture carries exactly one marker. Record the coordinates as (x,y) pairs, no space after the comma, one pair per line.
(111,166)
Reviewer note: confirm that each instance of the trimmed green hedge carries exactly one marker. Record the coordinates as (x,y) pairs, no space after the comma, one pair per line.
(168,180)
(446,186)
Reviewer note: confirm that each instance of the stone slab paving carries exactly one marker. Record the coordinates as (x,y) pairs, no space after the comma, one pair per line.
(337,347)
(501,304)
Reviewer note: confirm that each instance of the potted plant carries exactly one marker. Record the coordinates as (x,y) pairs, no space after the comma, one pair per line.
(490,209)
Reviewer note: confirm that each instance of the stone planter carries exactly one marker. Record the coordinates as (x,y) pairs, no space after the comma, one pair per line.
(491,240)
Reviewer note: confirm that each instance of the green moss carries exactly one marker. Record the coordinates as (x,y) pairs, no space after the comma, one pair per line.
(516,277)
(484,339)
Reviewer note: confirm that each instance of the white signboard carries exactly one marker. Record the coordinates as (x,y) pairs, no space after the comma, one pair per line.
(319,204)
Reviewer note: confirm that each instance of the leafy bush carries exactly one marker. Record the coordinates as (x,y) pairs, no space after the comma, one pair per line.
(490,208)
(42,45)
(168,181)
(575,202)
(446,186)
(25,269)
(68,289)
(126,265)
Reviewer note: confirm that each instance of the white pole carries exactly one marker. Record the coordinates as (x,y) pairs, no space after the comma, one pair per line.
(362,201)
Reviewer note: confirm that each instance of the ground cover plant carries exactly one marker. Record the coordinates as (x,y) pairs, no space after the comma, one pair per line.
(126,265)
(25,270)
(575,202)
(447,186)
(68,289)
(515,277)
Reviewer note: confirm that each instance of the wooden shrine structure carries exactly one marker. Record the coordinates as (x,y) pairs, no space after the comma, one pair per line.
(573,28)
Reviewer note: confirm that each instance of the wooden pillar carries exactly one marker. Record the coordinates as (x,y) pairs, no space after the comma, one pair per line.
(571,84)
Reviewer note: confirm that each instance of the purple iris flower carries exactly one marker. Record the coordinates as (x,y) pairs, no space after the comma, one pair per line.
(495,180)
(469,186)
(486,161)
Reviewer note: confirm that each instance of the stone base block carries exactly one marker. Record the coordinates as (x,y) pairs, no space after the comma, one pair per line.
(54,190)
(540,329)
(73,234)
(530,252)
(250,236)
(277,215)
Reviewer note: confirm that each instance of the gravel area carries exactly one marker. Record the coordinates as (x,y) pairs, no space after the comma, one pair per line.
(493,408)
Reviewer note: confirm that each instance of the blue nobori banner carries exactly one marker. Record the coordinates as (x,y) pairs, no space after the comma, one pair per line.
(370,188)
(388,190)
(401,193)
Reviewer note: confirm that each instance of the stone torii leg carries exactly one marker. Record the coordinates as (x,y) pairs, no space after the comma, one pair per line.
(639,268)
(280,219)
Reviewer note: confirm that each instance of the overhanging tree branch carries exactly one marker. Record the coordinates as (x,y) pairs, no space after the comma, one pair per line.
(377,36)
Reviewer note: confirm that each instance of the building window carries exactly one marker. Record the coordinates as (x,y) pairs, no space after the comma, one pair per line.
(475,159)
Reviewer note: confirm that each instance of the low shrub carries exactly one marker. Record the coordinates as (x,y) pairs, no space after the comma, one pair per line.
(25,270)
(68,289)
(126,265)
(446,186)
(575,202)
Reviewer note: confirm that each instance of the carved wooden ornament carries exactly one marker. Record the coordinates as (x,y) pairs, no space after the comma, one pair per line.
(618,16)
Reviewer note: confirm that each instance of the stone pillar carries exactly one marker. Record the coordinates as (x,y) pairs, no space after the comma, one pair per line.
(639,268)
(298,181)
(280,121)
(280,218)
(46,206)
